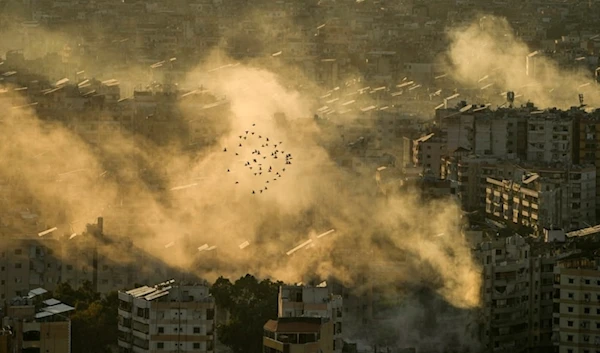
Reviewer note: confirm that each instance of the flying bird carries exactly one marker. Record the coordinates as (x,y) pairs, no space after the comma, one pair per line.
(224,149)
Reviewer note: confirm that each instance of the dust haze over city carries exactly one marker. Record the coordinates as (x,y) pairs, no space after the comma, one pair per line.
(428,169)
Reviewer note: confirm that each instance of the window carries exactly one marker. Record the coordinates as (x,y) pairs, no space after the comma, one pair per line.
(570,338)
(570,309)
(570,323)
(571,280)
(587,281)
(498,251)
(196,345)
(161,329)
(586,310)
(196,329)
(18,251)
(160,345)
(571,295)
(18,265)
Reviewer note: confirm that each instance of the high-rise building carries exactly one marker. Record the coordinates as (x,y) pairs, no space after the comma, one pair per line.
(577,304)
(589,150)
(550,137)
(167,317)
(544,197)
(505,292)
(427,154)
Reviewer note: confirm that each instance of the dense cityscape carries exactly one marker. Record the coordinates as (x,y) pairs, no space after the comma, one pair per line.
(299,176)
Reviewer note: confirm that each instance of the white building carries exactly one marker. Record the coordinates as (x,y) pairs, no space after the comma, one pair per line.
(166,318)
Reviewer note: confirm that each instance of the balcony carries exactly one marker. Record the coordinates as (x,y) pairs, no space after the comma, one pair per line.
(140,335)
(125,314)
(124,344)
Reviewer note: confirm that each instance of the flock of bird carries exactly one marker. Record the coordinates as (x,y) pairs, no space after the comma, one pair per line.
(263,157)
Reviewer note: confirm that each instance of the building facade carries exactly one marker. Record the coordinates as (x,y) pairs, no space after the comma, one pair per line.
(577,304)
(166,317)
(299,335)
(304,301)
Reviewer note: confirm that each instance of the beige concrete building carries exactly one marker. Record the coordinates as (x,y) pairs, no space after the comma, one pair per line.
(27,263)
(544,197)
(299,335)
(550,137)
(577,300)
(48,330)
(167,317)
(305,301)
(505,292)
(427,154)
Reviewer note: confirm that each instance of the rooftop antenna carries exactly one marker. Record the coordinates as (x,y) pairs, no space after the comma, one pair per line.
(581,105)
(510,98)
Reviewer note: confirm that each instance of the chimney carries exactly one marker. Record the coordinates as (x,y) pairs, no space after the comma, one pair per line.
(100,226)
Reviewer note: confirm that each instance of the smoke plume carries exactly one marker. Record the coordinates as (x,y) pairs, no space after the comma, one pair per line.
(486,55)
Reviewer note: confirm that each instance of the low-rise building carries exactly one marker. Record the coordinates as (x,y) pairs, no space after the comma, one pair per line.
(305,301)
(299,335)
(32,331)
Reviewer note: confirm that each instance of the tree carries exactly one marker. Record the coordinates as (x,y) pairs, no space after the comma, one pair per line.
(94,321)
(250,304)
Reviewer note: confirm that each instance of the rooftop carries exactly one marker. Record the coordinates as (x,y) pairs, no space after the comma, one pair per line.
(294,325)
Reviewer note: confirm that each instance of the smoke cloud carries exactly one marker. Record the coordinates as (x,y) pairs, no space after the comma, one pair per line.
(196,210)
(486,55)
(199,202)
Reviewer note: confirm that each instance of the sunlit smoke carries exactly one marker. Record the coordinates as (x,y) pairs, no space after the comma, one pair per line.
(202,201)
(486,55)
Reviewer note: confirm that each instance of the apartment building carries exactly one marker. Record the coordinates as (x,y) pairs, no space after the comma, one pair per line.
(518,289)
(465,172)
(505,291)
(577,303)
(307,301)
(589,152)
(299,335)
(427,154)
(47,330)
(27,263)
(550,137)
(166,317)
(547,198)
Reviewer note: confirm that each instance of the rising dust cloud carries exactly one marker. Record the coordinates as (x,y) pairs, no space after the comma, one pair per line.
(486,52)
(68,181)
